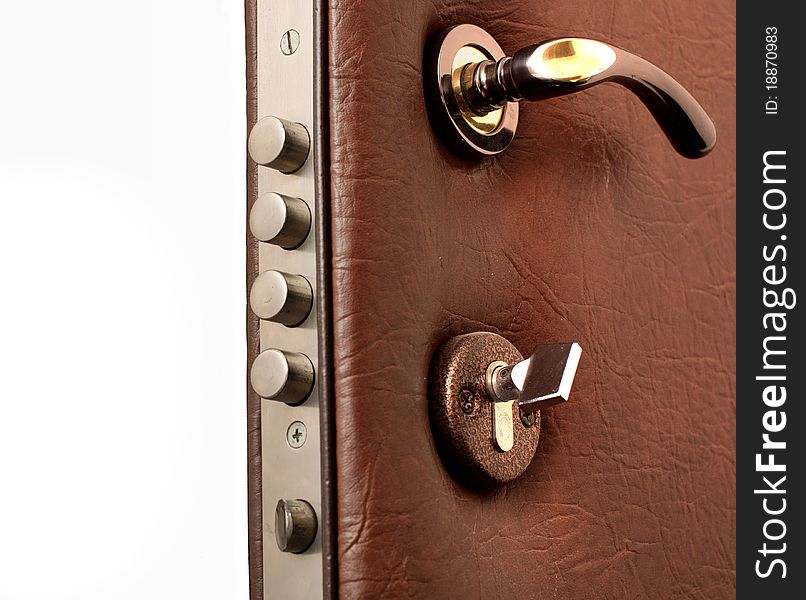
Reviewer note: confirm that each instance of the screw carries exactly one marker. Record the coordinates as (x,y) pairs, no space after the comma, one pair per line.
(467,402)
(289,42)
(297,434)
(528,419)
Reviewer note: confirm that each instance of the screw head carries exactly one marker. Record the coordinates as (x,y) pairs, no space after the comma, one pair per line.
(467,402)
(297,434)
(289,42)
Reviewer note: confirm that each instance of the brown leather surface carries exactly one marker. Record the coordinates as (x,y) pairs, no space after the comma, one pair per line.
(588,228)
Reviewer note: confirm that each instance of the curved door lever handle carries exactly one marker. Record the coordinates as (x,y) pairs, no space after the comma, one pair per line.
(493,83)
(567,65)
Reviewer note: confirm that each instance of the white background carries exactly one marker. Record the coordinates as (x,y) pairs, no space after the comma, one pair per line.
(122,352)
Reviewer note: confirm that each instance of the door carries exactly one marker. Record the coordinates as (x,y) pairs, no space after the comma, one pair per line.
(587,228)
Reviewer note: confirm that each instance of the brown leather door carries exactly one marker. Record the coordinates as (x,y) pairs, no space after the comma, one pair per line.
(588,228)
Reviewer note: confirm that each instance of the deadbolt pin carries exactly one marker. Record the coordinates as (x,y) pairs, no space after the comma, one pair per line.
(498,380)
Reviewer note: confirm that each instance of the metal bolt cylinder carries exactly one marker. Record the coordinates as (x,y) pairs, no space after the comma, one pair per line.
(280,220)
(279,144)
(283,376)
(281,297)
(295,526)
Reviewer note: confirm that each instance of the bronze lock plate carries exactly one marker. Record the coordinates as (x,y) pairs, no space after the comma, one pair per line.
(461,412)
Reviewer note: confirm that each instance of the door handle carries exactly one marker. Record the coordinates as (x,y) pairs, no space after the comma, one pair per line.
(473,88)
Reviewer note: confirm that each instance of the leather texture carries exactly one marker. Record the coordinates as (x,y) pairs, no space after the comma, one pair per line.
(588,228)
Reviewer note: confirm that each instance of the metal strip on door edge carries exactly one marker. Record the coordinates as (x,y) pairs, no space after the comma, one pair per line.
(294,86)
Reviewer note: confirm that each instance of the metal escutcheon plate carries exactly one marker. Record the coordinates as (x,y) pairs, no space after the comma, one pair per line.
(466,134)
(461,412)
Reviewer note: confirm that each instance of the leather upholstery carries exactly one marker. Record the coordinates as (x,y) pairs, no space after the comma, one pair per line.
(588,228)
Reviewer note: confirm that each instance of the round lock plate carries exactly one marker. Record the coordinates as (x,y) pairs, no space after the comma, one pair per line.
(461,412)
(467,134)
